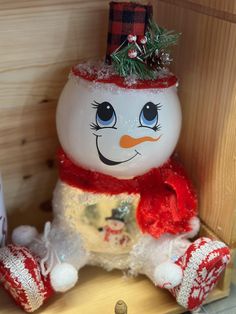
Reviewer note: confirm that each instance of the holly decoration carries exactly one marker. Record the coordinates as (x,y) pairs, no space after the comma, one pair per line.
(146,56)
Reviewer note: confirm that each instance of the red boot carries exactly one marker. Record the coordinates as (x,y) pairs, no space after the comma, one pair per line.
(21,277)
(202,265)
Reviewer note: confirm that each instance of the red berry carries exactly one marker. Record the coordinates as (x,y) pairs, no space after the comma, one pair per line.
(132,53)
(143,40)
(131,38)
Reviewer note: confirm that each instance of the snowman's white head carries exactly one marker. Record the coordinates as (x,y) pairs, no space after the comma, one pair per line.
(122,132)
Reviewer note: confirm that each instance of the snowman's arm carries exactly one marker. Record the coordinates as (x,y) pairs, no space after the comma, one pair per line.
(66,240)
(66,202)
(173,208)
(186,197)
(177,180)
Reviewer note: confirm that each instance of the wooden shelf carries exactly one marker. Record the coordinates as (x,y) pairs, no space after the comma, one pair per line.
(98,291)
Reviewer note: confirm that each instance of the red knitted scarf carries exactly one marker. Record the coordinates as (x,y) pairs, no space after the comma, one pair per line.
(167,199)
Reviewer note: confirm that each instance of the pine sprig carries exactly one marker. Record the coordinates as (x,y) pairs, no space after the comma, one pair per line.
(125,66)
(160,38)
(146,60)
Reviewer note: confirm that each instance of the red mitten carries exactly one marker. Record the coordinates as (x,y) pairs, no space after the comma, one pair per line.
(20,275)
(202,265)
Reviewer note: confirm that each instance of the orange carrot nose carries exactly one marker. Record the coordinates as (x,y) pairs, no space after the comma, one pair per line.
(127,141)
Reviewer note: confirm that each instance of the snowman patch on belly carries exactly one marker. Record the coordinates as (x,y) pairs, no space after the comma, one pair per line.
(116,229)
(113,223)
(107,223)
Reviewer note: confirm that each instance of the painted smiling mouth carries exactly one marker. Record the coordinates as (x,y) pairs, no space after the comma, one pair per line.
(110,162)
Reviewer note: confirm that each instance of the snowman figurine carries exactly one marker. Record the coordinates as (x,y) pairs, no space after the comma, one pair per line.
(122,200)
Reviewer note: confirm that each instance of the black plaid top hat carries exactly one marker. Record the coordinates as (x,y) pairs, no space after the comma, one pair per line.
(126,18)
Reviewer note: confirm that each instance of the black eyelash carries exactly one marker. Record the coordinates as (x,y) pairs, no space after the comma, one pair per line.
(158,106)
(95,127)
(157,128)
(95,104)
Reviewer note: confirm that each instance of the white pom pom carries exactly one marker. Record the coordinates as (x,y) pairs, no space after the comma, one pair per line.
(168,275)
(24,235)
(194,224)
(63,277)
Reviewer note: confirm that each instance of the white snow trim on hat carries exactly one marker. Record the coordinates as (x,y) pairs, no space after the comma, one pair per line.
(15,263)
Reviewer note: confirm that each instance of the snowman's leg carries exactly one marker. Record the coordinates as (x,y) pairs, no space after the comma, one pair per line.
(156,259)
(62,253)
(67,253)
(21,276)
(202,265)
(189,277)
(51,260)
(50,263)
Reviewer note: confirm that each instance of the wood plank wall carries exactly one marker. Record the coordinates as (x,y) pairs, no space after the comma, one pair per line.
(41,39)
(206,66)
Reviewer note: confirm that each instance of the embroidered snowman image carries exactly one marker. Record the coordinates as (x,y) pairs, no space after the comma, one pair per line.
(114,230)
(117,138)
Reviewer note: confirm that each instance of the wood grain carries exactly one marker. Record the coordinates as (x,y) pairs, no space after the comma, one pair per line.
(40,40)
(205,64)
(219,5)
(225,10)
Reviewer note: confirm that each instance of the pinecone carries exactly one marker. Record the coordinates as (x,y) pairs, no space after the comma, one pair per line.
(158,60)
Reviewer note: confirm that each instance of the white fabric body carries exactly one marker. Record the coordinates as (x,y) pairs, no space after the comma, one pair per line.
(66,243)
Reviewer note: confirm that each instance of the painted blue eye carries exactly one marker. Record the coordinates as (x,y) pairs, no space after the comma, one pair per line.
(149,115)
(105,116)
